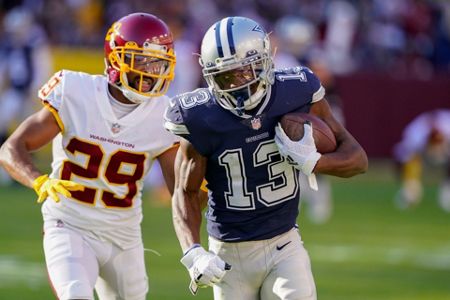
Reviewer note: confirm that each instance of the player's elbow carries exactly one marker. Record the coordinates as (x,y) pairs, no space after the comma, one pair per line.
(364,163)
(2,163)
(359,164)
(4,154)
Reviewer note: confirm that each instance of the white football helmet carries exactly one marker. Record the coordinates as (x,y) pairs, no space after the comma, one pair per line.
(236,60)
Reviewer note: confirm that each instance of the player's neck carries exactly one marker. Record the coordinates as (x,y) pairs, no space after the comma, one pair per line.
(118,95)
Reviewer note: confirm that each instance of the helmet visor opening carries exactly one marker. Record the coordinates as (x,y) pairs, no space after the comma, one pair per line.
(235,78)
(146,64)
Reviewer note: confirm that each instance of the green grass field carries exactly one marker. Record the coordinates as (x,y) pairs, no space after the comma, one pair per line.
(369,249)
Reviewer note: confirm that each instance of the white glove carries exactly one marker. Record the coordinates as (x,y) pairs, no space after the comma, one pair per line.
(205,268)
(302,154)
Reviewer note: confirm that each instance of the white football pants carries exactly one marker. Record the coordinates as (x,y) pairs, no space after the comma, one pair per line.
(278,268)
(77,263)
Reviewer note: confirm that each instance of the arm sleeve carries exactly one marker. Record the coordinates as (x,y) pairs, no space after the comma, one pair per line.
(188,124)
(173,119)
(52,91)
(316,88)
(164,139)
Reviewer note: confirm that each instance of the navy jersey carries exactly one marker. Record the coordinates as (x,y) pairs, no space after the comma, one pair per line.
(253,191)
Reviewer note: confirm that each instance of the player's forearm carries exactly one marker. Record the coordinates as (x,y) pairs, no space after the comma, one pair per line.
(347,161)
(187,218)
(17,161)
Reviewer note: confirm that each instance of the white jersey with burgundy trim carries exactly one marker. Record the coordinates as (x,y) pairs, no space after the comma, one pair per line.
(416,135)
(109,156)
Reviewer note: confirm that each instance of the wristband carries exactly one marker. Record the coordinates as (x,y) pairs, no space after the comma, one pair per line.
(196,245)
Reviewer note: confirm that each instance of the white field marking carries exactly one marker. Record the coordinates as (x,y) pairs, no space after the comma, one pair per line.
(14,271)
(436,258)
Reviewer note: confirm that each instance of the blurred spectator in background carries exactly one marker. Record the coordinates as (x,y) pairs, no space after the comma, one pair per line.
(25,65)
(403,37)
(293,39)
(425,140)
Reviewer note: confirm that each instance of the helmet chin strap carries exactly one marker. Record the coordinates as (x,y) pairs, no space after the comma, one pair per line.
(240,105)
(256,98)
(132,96)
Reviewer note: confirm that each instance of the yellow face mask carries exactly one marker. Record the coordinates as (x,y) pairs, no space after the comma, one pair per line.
(146,70)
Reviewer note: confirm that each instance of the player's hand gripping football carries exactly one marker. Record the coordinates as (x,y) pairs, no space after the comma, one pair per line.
(303,153)
(205,268)
(46,186)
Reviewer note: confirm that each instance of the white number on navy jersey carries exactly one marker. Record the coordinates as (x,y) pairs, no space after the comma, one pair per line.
(238,197)
(270,193)
(189,101)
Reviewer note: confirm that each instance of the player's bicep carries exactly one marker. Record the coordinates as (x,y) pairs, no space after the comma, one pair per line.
(190,168)
(37,130)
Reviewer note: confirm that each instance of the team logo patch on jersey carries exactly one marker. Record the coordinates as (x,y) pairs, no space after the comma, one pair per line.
(115,128)
(255,122)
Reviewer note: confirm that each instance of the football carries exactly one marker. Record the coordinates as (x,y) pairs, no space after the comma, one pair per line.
(292,124)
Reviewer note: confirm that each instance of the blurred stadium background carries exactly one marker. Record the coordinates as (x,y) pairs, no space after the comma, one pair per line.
(383,61)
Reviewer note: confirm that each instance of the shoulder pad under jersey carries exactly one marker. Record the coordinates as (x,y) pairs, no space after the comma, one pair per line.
(185,107)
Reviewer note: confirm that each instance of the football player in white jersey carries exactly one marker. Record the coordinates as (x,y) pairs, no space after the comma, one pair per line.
(425,140)
(106,132)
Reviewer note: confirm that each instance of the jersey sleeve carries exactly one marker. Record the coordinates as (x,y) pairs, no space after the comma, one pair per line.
(52,91)
(316,88)
(296,88)
(188,121)
(173,119)
(164,139)
(301,82)
(51,95)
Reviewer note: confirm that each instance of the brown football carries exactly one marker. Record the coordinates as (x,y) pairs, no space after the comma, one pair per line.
(324,138)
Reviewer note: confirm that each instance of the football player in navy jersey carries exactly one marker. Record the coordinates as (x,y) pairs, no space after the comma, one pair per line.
(230,136)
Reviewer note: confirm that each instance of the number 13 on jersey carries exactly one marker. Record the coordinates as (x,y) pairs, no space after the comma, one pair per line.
(282,183)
